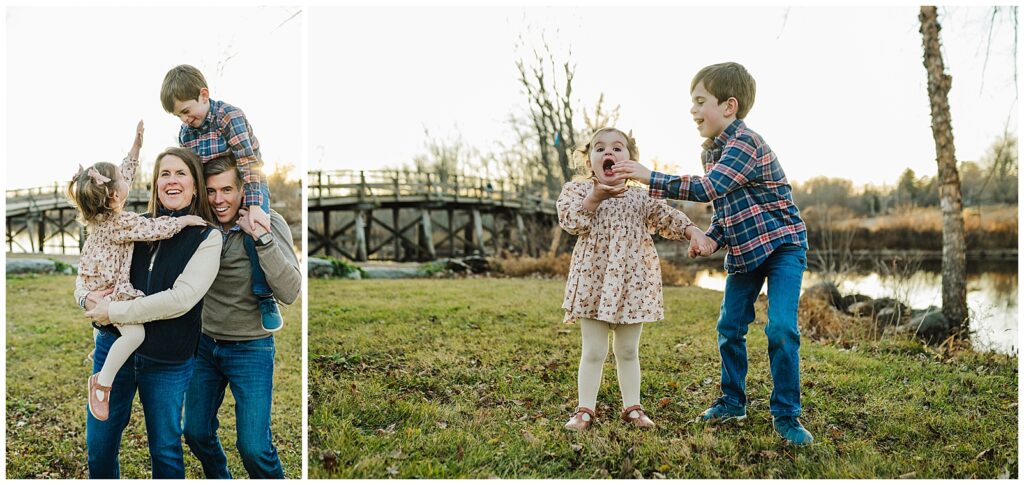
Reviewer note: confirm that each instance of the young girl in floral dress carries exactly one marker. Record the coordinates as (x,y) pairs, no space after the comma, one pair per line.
(614,283)
(99,193)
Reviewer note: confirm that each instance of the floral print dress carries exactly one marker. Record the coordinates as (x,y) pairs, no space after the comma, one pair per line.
(107,254)
(615,275)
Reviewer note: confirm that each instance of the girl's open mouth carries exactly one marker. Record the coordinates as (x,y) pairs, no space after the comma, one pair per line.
(606,167)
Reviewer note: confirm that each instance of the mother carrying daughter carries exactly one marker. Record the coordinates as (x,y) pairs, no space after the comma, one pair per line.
(99,193)
(614,282)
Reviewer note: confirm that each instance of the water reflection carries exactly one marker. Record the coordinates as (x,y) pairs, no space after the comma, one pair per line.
(991,298)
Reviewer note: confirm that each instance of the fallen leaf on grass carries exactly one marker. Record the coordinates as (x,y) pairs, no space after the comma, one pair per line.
(908,475)
(530,438)
(392,470)
(984,454)
(442,424)
(330,460)
(665,401)
(576,448)
(658,476)
(386,431)
(398,455)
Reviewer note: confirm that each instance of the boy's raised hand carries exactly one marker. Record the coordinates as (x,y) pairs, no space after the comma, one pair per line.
(632,170)
(140,129)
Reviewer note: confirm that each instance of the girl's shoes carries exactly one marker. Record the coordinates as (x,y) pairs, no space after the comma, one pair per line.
(99,405)
(640,421)
(581,419)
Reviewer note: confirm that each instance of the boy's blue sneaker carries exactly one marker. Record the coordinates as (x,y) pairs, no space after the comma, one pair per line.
(271,316)
(792,431)
(722,411)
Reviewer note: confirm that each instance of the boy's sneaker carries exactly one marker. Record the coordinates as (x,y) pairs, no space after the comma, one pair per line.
(721,412)
(792,431)
(271,316)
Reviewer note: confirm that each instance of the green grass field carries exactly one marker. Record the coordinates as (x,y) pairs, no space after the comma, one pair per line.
(474,378)
(47,341)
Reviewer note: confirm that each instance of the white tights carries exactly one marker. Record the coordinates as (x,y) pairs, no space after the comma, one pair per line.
(131,338)
(595,351)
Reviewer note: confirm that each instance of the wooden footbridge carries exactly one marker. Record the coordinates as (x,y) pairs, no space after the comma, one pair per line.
(410,216)
(41,219)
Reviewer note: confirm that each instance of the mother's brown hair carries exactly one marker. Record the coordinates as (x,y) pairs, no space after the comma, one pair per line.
(200,204)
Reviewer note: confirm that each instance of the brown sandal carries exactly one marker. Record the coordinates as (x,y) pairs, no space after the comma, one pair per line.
(641,421)
(576,421)
(99,407)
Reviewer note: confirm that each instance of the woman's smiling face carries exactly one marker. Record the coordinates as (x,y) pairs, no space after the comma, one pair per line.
(175,184)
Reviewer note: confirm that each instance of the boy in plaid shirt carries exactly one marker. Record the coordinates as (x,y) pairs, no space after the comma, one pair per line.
(755,217)
(212,129)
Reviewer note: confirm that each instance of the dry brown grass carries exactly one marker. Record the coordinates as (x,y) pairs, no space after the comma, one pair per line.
(558,267)
(822,322)
(551,266)
(988,227)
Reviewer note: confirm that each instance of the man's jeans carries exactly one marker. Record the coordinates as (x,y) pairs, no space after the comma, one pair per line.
(260,287)
(248,367)
(161,390)
(784,271)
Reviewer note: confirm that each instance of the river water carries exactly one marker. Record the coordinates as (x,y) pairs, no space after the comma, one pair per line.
(991,297)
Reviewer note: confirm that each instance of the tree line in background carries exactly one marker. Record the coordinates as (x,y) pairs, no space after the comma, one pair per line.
(991,180)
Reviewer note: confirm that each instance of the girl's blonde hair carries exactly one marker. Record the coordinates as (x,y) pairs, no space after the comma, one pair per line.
(90,194)
(581,156)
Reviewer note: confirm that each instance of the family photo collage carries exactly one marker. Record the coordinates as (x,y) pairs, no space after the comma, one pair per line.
(471,241)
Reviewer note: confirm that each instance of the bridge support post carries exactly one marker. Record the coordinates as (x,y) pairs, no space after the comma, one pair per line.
(360,227)
(478,233)
(427,234)
(524,244)
(327,233)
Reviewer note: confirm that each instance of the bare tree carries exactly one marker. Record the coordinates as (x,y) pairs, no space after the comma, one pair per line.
(954,282)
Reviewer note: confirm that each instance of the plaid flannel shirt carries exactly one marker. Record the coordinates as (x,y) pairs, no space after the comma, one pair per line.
(753,201)
(226,130)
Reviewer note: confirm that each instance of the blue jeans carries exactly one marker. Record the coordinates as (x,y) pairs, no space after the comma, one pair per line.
(260,288)
(248,367)
(161,390)
(784,270)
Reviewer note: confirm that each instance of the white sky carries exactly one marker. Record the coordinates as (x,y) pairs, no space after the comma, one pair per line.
(78,80)
(841,91)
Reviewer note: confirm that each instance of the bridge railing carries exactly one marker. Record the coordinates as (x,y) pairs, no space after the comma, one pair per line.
(57,191)
(372,185)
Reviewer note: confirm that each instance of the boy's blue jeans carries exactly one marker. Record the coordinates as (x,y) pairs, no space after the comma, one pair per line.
(248,367)
(260,288)
(784,271)
(161,390)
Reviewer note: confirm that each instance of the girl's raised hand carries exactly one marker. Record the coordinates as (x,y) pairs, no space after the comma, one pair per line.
(140,129)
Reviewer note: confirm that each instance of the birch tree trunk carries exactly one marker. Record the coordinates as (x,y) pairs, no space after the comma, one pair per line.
(954,282)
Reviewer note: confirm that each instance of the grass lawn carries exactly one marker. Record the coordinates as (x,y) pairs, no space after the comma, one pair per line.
(474,378)
(47,341)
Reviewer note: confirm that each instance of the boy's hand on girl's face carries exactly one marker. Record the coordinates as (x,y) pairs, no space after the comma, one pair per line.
(629,169)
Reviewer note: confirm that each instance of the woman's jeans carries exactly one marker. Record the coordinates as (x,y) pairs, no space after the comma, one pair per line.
(248,367)
(161,389)
(784,270)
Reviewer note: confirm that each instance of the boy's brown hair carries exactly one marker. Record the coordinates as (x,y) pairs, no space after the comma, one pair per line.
(582,153)
(728,80)
(201,205)
(223,164)
(91,196)
(181,84)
